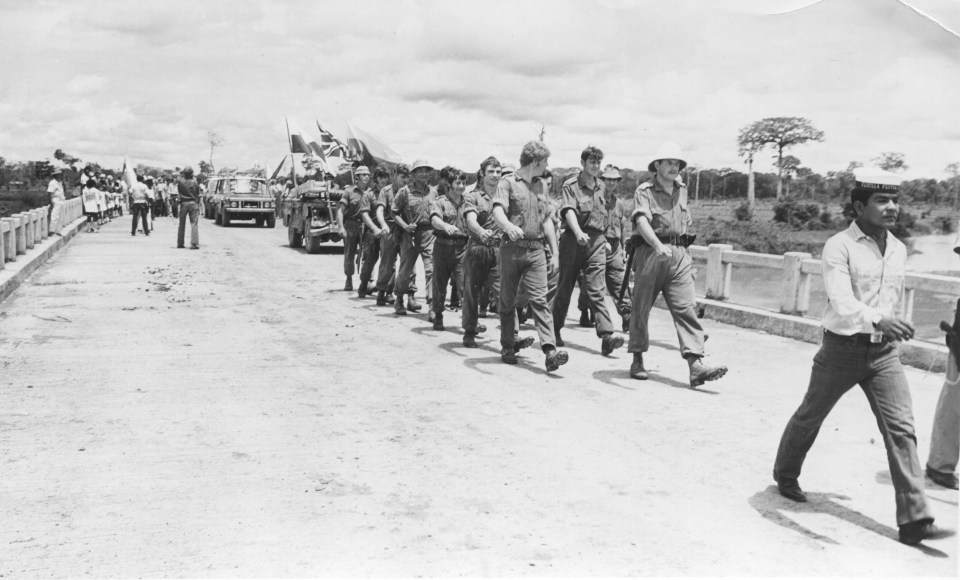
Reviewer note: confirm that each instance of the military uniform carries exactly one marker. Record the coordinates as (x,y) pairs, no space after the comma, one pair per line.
(448,252)
(390,243)
(351,206)
(591,212)
(523,263)
(480,264)
(614,267)
(414,205)
(369,243)
(670,218)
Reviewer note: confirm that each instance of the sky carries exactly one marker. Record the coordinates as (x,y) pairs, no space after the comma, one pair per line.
(455,81)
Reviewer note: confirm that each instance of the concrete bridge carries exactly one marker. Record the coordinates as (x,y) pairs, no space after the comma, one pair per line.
(231,412)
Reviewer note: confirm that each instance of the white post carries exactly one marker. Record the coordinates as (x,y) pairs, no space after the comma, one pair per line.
(793,284)
(718,277)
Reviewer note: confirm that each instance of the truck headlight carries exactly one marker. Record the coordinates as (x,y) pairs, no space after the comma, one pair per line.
(233,204)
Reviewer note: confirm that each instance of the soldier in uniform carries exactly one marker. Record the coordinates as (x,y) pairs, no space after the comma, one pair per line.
(662,263)
(481,260)
(391,241)
(350,221)
(450,239)
(863,271)
(583,248)
(411,210)
(372,233)
(524,217)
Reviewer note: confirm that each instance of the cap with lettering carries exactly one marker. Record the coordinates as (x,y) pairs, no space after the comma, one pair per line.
(876,179)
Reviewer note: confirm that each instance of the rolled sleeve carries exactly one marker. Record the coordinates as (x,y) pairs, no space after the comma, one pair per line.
(469,205)
(502,197)
(641,200)
(568,201)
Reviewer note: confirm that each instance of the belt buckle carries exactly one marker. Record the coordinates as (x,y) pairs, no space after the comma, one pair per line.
(876,337)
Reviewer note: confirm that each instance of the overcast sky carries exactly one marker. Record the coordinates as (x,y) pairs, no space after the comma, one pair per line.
(453,81)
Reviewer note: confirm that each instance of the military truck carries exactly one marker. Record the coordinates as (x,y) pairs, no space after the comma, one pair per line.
(243,197)
(309,213)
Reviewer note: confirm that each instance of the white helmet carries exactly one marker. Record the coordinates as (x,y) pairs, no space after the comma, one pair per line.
(668,150)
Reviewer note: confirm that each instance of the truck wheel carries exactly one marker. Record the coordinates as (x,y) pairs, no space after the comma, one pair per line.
(224,219)
(294,238)
(313,245)
(216,216)
(271,221)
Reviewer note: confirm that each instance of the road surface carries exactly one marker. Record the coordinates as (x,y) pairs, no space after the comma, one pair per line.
(232,412)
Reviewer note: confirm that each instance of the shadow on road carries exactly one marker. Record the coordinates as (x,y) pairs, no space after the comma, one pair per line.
(883,477)
(772,506)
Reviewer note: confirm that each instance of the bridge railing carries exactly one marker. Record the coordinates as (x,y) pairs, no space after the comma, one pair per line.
(20,232)
(796,270)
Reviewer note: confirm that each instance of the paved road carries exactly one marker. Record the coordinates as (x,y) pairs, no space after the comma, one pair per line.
(230,412)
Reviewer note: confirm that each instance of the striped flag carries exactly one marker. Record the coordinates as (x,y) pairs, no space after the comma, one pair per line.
(371,150)
(297,143)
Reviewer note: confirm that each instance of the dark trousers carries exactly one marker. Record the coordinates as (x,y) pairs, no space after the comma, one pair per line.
(524,268)
(351,246)
(139,210)
(369,254)
(591,260)
(840,364)
(389,250)
(189,209)
(418,244)
(613,273)
(673,276)
(480,264)
(447,266)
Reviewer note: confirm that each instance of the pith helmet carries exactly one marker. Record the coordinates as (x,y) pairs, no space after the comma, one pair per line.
(362,170)
(610,172)
(668,150)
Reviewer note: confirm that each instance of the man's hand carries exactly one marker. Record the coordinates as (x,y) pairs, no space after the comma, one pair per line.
(583,239)
(554,263)
(514,232)
(663,252)
(452,230)
(895,329)
(411,228)
(343,233)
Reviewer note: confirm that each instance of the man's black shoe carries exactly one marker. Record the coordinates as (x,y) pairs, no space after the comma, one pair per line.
(555,358)
(522,343)
(610,343)
(412,304)
(398,308)
(348,285)
(381,298)
(947,480)
(790,489)
(363,290)
(438,322)
(481,328)
(636,368)
(470,341)
(509,355)
(913,533)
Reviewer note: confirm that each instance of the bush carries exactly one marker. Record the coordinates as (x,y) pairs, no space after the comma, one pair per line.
(945,225)
(743,212)
(792,212)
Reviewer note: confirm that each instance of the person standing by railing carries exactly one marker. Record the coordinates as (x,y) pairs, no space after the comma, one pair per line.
(189,191)
(863,273)
(662,264)
(57,199)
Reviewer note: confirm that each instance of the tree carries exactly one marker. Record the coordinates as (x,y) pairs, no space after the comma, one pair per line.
(891,161)
(954,184)
(789,165)
(748,147)
(215,141)
(782,133)
(204,168)
(65,157)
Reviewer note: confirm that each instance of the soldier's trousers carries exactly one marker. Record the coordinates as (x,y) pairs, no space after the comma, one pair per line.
(613,276)
(841,363)
(591,260)
(945,439)
(673,277)
(389,249)
(524,266)
(351,246)
(417,244)
(448,258)
(369,254)
(480,267)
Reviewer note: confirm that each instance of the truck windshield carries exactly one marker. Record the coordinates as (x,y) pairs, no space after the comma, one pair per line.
(249,187)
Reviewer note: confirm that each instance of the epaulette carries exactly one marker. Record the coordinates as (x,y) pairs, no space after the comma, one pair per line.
(571,178)
(645,185)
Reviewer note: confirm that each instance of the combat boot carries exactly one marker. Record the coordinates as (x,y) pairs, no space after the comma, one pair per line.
(508,355)
(555,358)
(381,298)
(470,340)
(481,328)
(412,304)
(586,318)
(610,343)
(398,308)
(348,285)
(437,321)
(636,367)
(522,343)
(362,291)
(701,373)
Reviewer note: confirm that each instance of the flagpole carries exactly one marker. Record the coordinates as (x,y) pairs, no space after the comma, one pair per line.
(293,163)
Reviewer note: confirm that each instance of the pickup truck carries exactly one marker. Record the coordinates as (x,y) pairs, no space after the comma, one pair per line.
(309,212)
(243,198)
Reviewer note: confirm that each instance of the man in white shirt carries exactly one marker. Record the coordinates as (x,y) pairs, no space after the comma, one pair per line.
(863,272)
(57,199)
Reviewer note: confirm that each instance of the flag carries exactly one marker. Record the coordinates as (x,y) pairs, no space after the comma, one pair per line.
(369,149)
(317,150)
(127,174)
(332,147)
(276,172)
(297,143)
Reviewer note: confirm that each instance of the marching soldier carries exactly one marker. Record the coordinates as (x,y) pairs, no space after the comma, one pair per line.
(350,221)
(411,210)
(523,215)
(372,233)
(391,242)
(450,240)
(662,263)
(481,259)
(583,248)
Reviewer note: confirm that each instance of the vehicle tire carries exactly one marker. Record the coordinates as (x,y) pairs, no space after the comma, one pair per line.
(216,216)
(294,238)
(225,219)
(313,245)
(271,221)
